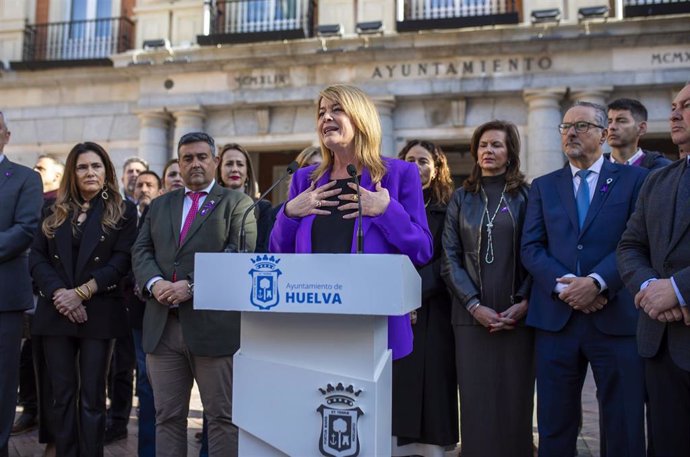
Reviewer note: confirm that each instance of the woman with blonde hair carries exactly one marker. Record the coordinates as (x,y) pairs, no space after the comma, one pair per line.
(77,261)
(321,212)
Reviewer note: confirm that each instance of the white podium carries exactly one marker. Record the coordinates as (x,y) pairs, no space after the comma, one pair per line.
(313,373)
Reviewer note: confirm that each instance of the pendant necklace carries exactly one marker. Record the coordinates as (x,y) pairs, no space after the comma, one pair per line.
(83,209)
(489,257)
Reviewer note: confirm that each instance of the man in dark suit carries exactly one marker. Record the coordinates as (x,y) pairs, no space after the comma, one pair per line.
(575,217)
(654,261)
(20,191)
(184,344)
(627,123)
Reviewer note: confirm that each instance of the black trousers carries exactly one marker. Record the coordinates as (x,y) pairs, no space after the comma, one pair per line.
(44,390)
(121,382)
(78,368)
(10,343)
(27,381)
(668,387)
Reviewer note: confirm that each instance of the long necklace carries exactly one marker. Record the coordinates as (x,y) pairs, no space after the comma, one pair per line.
(489,257)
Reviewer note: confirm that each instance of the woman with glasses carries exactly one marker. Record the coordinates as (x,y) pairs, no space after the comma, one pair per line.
(425,398)
(494,349)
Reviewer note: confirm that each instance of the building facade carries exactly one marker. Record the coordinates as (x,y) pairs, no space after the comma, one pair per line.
(134,75)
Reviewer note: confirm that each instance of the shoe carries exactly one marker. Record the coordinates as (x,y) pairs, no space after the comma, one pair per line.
(24,423)
(113,434)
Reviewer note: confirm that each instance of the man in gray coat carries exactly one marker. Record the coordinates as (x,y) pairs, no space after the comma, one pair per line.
(654,262)
(21,199)
(184,345)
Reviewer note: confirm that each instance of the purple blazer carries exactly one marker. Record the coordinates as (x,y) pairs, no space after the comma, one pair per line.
(401,229)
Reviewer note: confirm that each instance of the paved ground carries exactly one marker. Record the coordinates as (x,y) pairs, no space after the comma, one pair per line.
(27,445)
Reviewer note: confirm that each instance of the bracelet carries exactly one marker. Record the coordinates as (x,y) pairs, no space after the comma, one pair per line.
(80,293)
(473,308)
(88,287)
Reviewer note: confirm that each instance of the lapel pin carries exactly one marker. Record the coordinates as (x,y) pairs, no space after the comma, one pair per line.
(605,186)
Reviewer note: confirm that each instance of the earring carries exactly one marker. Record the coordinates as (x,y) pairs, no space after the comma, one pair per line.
(104,192)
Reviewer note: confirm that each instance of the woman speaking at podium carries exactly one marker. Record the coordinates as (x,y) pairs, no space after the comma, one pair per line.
(321,213)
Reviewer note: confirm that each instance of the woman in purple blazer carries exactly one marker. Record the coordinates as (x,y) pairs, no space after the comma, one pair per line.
(321,213)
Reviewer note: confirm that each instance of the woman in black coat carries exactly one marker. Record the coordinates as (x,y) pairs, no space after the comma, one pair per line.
(77,261)
(481,266)
(425,402)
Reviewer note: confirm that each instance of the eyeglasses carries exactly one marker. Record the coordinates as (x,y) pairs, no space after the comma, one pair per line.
(580,127)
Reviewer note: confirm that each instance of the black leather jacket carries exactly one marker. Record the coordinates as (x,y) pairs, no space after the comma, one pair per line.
(461,244)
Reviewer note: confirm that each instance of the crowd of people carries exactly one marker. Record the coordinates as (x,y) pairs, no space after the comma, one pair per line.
(587,266)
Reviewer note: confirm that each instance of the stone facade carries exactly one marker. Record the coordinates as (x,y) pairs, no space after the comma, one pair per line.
(437,85)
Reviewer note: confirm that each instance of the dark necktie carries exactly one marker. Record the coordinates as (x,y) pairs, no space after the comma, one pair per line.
(582,196)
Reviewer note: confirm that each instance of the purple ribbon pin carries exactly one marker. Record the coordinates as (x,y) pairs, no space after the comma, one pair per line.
(208,206)
(8,173)
(504,209)
(605,186)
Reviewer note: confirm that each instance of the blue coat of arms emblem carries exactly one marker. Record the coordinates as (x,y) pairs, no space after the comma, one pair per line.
(265,273)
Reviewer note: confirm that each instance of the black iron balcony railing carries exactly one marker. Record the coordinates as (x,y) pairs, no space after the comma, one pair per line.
(414,15)
(89,41)
(243,21)
(634,8)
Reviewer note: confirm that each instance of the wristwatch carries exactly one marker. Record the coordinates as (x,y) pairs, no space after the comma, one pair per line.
(597,284)
(190,288)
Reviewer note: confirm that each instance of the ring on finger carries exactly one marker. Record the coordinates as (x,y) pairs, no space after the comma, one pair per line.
(318,203)
(354,197)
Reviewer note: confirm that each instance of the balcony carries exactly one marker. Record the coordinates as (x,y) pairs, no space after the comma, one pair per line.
(247,21)
(636,8)
(75,43)
(415,15)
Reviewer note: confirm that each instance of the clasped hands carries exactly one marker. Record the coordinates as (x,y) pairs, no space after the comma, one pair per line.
(171,293)
(507,320)
(581,294)
(68,303)
(660,302)
(313,198)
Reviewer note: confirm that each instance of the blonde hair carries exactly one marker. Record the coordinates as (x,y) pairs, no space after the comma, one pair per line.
(367,141)
(306,155)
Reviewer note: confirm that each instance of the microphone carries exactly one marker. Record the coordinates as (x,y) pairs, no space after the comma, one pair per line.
(243,232)
(352,171)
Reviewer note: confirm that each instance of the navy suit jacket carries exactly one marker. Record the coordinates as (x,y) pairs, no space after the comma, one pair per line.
(21,198)
(553,244)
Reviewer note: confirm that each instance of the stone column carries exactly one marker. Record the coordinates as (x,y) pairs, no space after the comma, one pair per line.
(543,146)
(598,95)
(188,119)
(153,138)
(385,108)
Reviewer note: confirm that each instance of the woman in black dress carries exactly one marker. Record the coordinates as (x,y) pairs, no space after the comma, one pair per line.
(77,261)
(481,266)
(425,399)
(236,171)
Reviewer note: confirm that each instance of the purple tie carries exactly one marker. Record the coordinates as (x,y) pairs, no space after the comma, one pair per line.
(195,196)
